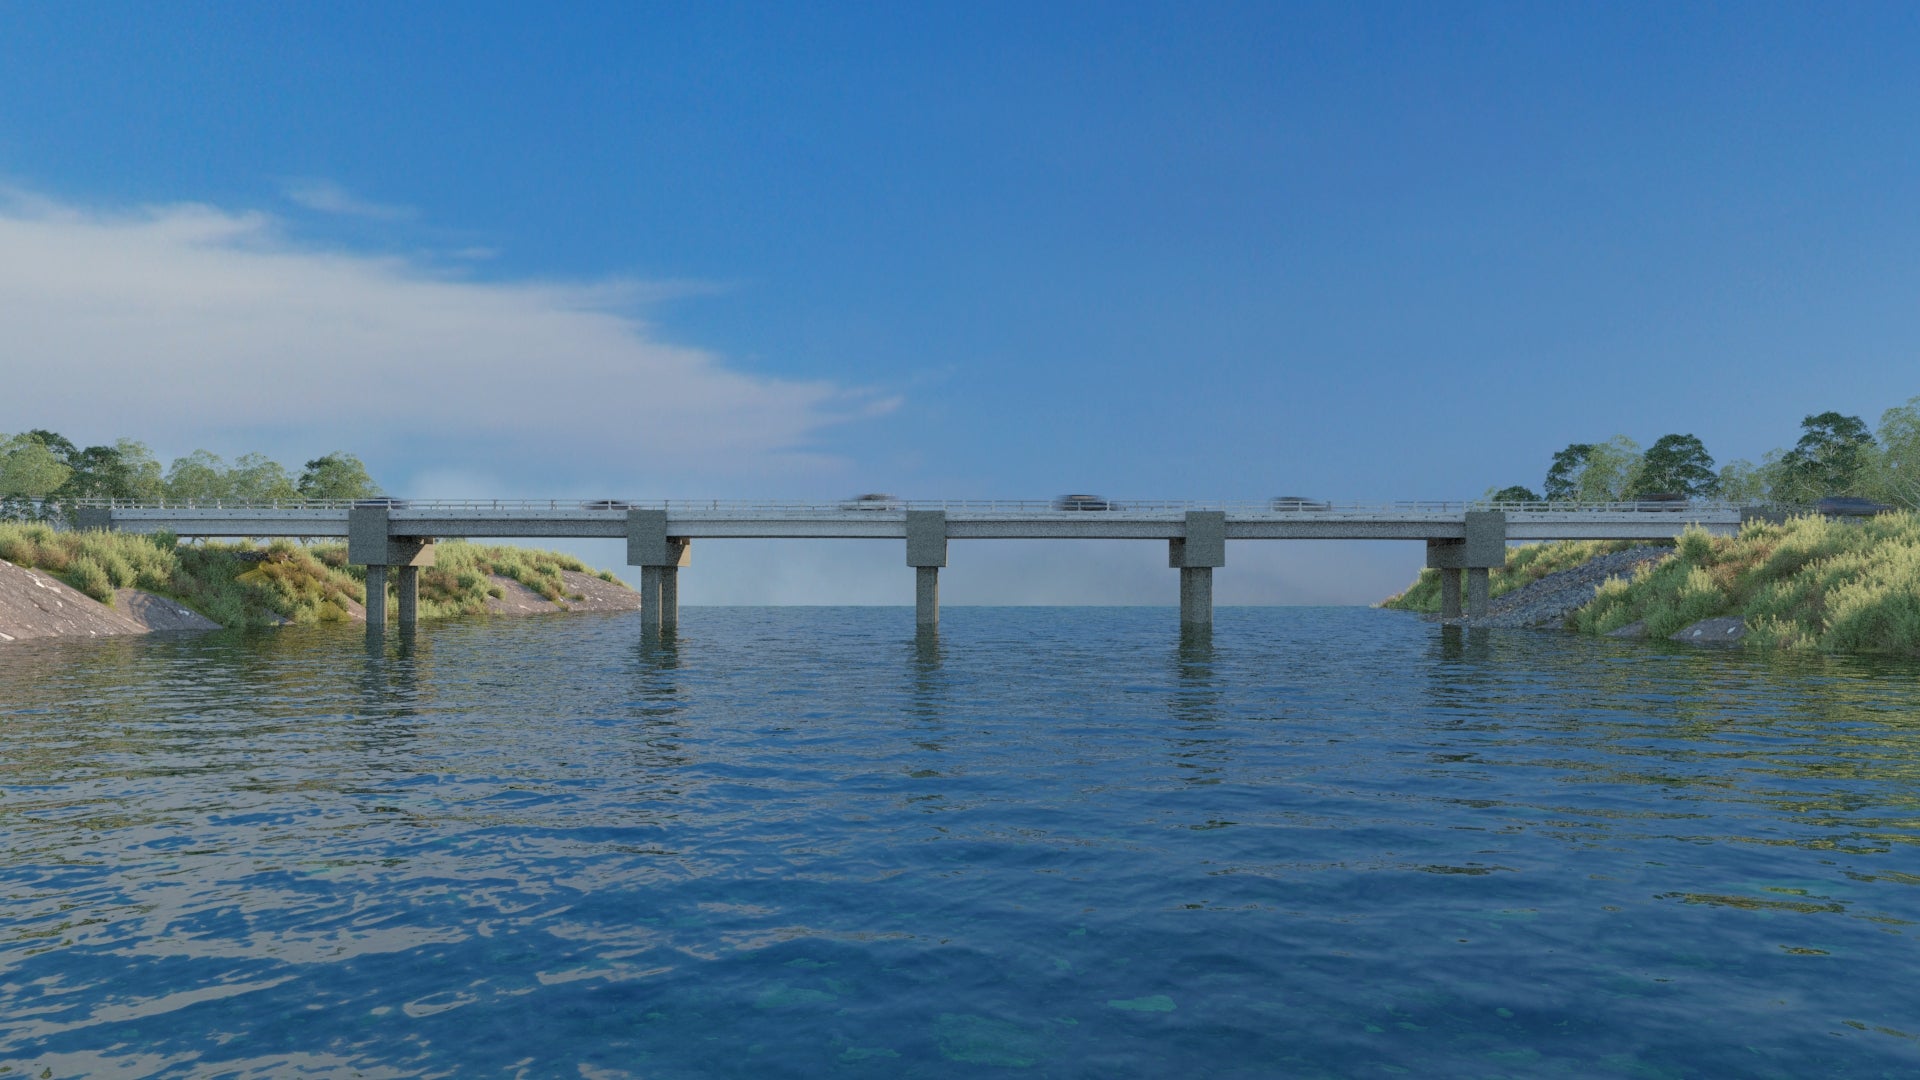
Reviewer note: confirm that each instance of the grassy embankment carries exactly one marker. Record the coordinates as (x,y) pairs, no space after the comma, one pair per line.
(1810,584)
(1525,565)
(241,584)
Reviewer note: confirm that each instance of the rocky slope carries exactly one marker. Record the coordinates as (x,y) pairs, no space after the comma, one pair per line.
(38,605)
(1545,604)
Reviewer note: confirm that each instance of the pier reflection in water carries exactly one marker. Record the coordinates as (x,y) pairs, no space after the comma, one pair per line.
(813,842)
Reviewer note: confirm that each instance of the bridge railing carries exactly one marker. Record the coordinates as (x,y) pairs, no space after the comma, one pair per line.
(1283,507)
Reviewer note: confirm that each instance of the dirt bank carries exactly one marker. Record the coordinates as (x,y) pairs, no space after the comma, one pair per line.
(37,605)
(585,591)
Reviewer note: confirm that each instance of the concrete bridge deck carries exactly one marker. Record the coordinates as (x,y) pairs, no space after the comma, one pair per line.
(382,533)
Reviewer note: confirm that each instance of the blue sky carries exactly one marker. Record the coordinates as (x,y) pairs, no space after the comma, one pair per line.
(1352,251)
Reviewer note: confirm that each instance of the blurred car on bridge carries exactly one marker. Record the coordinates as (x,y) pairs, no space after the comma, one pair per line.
(1083,502)
(1299,502)
(871,501)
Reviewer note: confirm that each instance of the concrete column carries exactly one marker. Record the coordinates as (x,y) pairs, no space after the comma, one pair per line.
(1478,587)
(1196,596)
(370,543)
(650,599)
(669,599)
(1203,547)
(926,597)
(659,558)
(1449,593)
(1484,549)
(376,598)
(926,553)
(408,586)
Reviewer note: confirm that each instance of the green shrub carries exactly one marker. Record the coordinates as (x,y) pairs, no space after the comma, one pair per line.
(1695,546)
(90,578)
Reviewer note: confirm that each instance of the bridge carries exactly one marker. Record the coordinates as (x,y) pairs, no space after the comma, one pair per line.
(397,535)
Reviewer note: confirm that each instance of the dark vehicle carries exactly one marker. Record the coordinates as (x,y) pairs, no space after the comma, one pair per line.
(1082,502)
(385,502)
(1659,501)
(1849,506)
(872,501)
(605,504)
(1299,502)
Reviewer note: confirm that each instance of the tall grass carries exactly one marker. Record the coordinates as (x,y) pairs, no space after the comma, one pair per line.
(239,584)
(1808,584)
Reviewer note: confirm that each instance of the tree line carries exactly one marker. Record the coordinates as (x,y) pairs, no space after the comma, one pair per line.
(1836,455)
(39,467)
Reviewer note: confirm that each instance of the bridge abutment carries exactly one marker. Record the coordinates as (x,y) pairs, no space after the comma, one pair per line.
(926,553)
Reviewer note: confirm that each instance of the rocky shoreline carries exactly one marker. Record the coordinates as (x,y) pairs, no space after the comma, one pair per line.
(1546,604)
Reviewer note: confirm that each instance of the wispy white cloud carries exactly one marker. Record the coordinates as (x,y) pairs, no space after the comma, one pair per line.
(328,197)
(176,323)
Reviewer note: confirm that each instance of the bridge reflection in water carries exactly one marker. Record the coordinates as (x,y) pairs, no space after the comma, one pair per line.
(396,535)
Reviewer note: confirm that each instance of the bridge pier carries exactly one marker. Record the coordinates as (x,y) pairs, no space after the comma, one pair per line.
(1195,555)
(659,558)
(376,598)
(408,586)
(926,553)
(1484,547)
(1449,592)
(1479,587)
(370,543)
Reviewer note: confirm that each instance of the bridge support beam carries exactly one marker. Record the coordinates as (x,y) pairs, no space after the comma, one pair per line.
(926,553)
(1195,555)
(1484,548)
(407,585)
(1196,596)
(659,558)
(1449,593)
(1479,587)
(370,543)
(376,598)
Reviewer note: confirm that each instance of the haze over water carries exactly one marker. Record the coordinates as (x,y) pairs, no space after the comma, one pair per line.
(1054,842)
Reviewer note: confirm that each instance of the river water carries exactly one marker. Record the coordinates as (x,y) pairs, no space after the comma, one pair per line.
(1056,842)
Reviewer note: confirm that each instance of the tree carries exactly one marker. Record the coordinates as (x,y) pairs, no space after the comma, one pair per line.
(29,469)
(199,477)
(1593,472)
(141,470)
(1896,472)
(125,470)
(1515,493)
(259,478)
(338,475)
(1676,464)
(1831,458)
(61,446)
(1562,475)
(1740,482)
